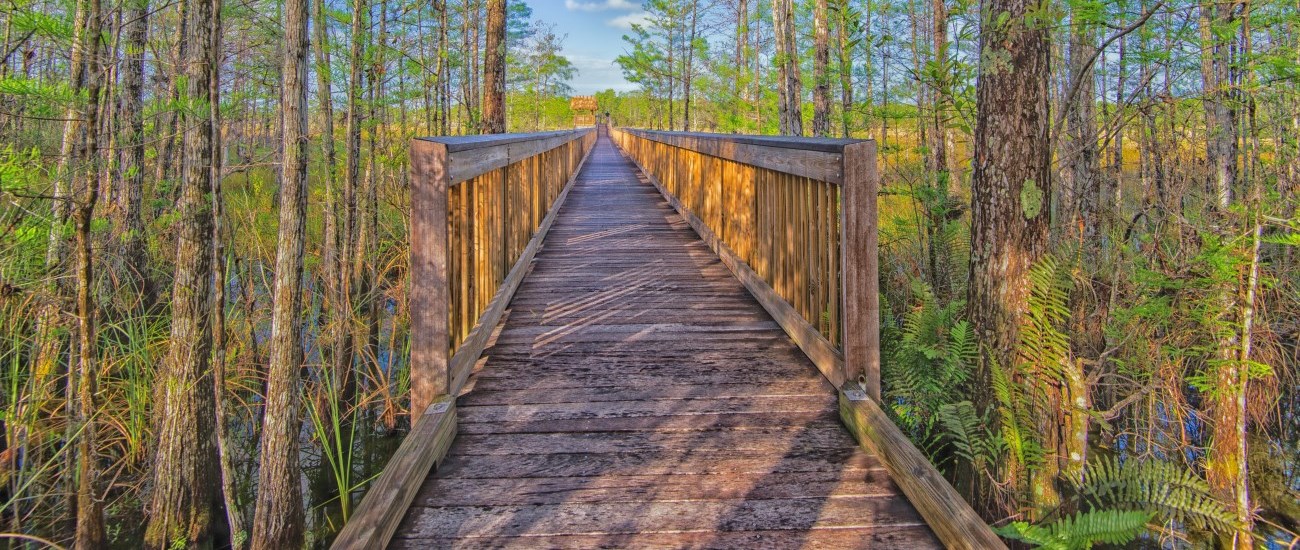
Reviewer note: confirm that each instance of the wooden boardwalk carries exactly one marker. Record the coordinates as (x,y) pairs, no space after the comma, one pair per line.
(636,395)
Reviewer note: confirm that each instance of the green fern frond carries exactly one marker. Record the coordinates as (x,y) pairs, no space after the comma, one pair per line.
(1081,530)
(1174,493)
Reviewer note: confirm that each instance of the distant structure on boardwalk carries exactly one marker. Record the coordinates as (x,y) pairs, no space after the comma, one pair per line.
(584,110)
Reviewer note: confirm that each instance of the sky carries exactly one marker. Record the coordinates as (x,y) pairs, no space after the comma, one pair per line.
(595,30)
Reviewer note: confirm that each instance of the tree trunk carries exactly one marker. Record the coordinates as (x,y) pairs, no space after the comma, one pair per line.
(821,78)
(789,89)
(1010,183)
(85,186)
(181,506)
(168,136)
(847,23)
(494,69)
(278,520)
(229,490)
(688,72)
(128,222)
(942,88)
(1081,213)
(741,63)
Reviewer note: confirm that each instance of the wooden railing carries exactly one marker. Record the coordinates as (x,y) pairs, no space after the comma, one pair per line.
(480,208)
(795,220)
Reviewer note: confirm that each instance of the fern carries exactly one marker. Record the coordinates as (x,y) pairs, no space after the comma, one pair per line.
(970,439)
(1043,347)
(1171,491)
(1082,530)
(934,354)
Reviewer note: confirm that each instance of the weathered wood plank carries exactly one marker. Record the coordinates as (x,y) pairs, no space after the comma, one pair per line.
(859,270)
(643,488)
(429,263)
(879,537)
(657,517)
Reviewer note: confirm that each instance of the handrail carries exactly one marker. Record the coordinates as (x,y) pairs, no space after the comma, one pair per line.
(480,208)
(795,220)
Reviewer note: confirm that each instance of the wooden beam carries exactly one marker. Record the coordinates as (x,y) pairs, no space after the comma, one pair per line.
(947,513)
(859,270)
(373,522)
(430,339)
(821,165)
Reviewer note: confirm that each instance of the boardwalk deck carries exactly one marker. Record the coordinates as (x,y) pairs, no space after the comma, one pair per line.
(635,395)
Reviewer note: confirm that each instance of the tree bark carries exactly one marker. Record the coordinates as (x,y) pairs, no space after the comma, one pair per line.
(821,78)
(85,185)
(182,502)
(278,520)
(789,88)
(1010,183)
(494,68)
(846,24)
(128,221)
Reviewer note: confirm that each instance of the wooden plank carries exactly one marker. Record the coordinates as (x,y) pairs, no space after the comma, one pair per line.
(818,165)
(381,510)
(640,488)
(947,513)
(742,419)
(878,537)
(657,517)
(860,269)
(429,300)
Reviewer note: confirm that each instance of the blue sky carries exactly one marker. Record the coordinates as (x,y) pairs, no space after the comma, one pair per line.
(595,30)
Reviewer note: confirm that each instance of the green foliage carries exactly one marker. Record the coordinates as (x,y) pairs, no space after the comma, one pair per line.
(935,353)
(1044,348)
(969,434)
(1080,531)
(1170,491)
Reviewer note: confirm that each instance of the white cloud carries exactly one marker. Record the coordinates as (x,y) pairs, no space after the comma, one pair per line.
(602,5)
(626,21)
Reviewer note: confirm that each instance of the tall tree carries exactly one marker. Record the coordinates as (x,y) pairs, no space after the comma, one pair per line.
(789,88)
(848,32)
(278,519)
(1010,183)
(181,508)
(821,74)
(494,67)
(128,221)
(87,77)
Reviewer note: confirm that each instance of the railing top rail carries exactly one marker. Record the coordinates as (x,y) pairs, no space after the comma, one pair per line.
(824,145)
(465,143)
(470,156)
(821,159)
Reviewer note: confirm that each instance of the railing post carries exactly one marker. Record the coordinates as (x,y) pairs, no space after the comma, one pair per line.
(859,267)
(430,340)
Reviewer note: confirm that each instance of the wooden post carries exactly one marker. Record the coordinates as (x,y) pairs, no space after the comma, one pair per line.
(860,271)
(430,339)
